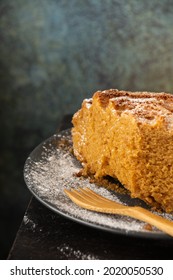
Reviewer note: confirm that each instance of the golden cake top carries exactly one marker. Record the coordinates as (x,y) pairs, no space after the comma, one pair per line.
(128,97)
(144,105)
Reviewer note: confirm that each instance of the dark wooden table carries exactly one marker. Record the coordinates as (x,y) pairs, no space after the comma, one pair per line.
(46,235)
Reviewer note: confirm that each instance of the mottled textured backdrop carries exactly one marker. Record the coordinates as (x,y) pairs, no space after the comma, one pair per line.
(55,53)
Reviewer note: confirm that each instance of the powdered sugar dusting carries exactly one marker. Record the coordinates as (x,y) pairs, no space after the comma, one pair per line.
(51,168)
(68,251)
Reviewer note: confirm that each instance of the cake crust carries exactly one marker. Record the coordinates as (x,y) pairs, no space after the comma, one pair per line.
(128,136)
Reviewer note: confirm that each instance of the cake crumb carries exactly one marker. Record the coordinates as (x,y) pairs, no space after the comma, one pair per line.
(148,227)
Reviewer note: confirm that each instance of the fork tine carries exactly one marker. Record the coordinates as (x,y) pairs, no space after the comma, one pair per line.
(98,196)
(92,196)
(83,195)
(80,200)
(78,197)
(74,195)
(88,196)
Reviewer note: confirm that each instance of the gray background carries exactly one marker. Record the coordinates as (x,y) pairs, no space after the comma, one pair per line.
(55,53)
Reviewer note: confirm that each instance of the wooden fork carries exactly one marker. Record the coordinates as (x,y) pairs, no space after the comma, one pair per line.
(88,199)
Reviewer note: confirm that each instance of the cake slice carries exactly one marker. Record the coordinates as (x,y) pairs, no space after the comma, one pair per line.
(128,136)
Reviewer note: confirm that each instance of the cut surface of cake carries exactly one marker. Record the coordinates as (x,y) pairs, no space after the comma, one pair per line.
(128,136)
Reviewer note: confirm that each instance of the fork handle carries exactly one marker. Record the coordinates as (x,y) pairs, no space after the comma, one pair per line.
(146,216)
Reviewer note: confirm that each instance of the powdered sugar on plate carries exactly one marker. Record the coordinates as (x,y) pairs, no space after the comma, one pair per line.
(50,169)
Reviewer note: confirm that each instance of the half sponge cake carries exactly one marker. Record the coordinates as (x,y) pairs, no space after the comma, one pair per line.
(128,136)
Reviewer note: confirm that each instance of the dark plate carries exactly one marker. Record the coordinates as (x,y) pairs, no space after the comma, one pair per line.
(51,167)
